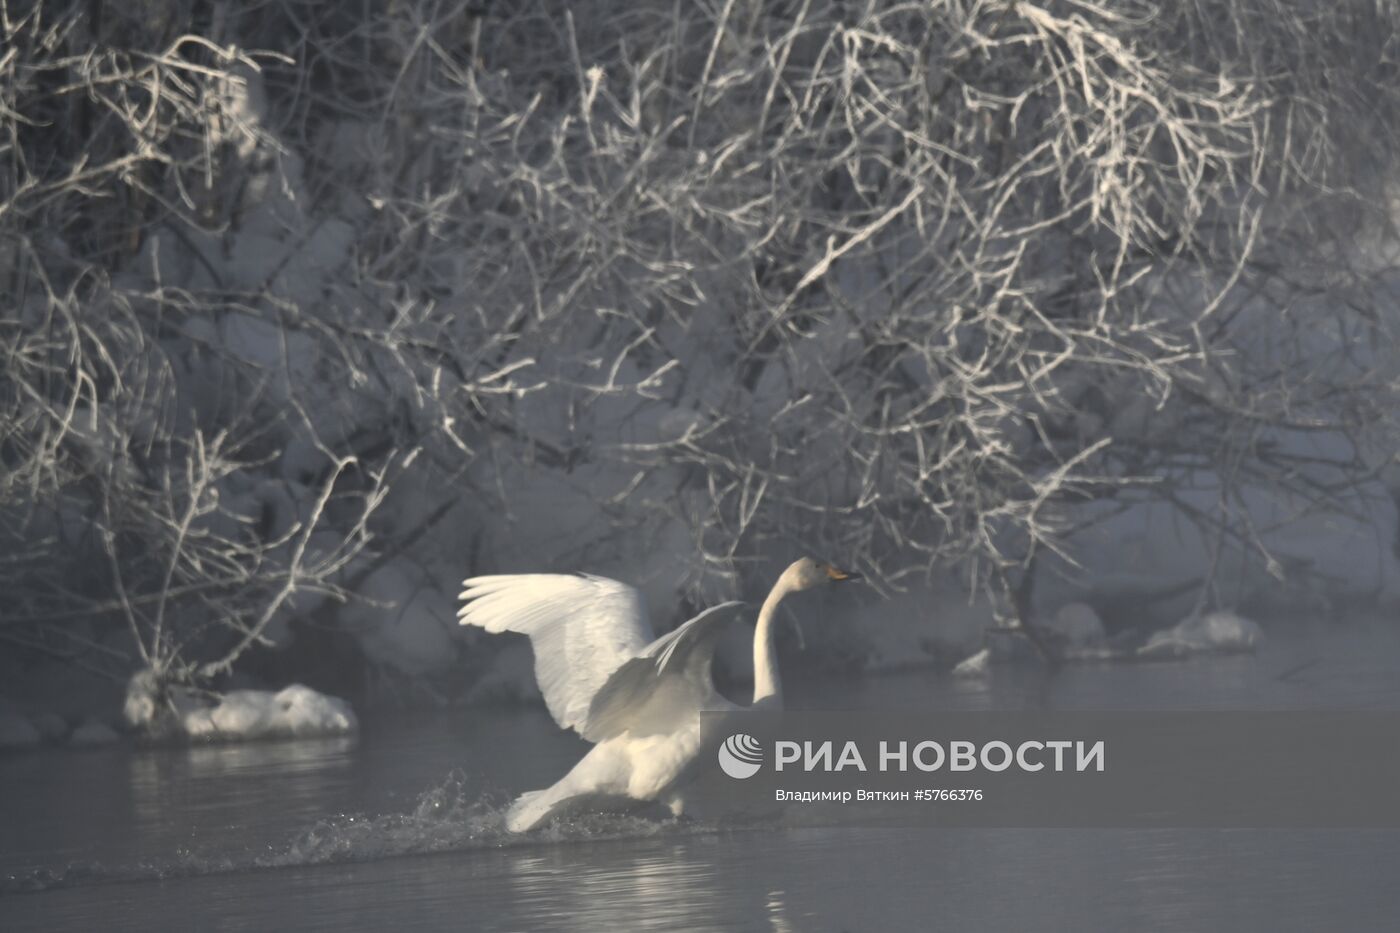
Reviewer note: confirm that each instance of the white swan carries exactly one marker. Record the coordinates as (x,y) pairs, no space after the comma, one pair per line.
(605,675)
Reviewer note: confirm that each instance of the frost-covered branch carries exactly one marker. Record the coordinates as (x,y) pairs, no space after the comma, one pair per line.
(913,285)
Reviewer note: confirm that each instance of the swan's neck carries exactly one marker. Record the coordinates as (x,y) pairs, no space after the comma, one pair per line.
(767,688)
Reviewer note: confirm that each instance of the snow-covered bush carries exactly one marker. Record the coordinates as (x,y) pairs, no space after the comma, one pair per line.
(308,299)
(918,285)
(155,511)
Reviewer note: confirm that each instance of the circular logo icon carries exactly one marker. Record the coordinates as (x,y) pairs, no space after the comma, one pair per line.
(740,756)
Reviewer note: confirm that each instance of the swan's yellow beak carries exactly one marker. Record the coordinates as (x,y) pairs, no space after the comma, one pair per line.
(840,576)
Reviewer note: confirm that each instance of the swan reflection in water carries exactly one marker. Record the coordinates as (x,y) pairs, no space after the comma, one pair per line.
(655,885)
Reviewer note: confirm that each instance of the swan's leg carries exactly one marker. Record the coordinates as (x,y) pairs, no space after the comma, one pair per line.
(536,807)
(601,774)
(532,808)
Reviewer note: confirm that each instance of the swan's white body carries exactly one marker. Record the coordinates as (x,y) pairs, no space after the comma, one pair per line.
(605,675)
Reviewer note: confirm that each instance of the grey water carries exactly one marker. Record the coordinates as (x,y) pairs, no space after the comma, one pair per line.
(399,828)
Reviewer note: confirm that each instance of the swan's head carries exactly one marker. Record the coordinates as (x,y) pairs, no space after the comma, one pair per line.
(809,572)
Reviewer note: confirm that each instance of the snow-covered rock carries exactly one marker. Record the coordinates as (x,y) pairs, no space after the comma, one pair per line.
(237,715)
(1214,632)
(1080,636)
(16,731)
(256,714)
(92,732)
(975,665)
(1078,626)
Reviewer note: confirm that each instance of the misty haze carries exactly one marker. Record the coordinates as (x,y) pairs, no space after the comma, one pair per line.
(414,414)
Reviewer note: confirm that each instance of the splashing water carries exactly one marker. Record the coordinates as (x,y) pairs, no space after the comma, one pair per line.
(445,818)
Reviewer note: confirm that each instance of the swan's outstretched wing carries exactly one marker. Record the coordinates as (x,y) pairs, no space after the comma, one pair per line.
(582,628)
(677,662)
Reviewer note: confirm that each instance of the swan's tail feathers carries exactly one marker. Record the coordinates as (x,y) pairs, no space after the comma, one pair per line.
(529,810)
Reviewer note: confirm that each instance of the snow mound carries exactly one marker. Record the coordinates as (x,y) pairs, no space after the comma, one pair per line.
(1078,626)
(1213,632)
(16,731)
(975,665)
(257,714)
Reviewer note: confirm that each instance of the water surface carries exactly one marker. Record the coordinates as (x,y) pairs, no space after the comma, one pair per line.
(399,828)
